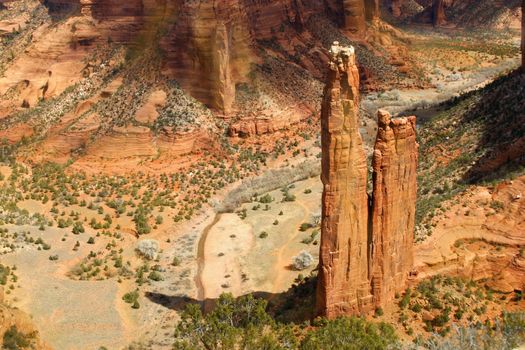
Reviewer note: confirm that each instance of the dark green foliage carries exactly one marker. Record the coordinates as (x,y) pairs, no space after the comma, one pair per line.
(350,334)
(243,323)
(14,340)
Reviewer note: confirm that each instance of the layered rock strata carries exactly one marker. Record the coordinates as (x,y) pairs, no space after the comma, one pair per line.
(354,16)
(366,253)
(393,213)
(343,286)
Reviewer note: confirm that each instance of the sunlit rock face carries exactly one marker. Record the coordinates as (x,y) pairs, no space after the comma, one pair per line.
(366,252)
(343,286)
(393,206)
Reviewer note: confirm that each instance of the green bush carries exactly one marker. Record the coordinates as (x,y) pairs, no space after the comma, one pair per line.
(14,340)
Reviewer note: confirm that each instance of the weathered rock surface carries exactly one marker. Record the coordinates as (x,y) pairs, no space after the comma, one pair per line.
(366,254)
(438,12)
(475,241)
(343,286)
(372,10)
(354,16)
(393,213)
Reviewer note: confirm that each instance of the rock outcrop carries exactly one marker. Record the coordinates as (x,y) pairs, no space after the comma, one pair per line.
(209,50)
(438,12)
(366,254)
(343,286)
(393,213)
(372,10)
(354,16)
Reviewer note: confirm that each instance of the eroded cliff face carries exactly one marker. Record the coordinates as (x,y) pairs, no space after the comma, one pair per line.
(209,50)
(393,213)
(366,254)
(354,16)
(343,272)
(438,12)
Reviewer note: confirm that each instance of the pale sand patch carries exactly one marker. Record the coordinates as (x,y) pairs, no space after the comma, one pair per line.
(255,264)
(227,242)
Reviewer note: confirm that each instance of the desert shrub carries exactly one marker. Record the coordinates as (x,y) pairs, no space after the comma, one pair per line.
(302,261)
(351,334)
(13,339)
(148,248)
(131,297)
(234,323)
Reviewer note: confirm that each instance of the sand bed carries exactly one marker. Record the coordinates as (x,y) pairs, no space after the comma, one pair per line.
(250,263)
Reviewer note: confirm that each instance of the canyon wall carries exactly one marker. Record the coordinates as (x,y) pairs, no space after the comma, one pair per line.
(354,16)
(366,254)
(523,35)
(438,12)
(343,286)
(393,212)
(209,50)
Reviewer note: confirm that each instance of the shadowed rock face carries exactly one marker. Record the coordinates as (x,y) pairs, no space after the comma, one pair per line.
(354,16)
(393,213)
(343,286)
(372,10)
(366,254)
(438,12)
(523,35)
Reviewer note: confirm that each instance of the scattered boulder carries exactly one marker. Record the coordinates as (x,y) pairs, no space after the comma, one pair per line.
(148,248)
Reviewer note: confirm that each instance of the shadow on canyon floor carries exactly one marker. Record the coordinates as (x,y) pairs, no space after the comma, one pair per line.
(294,305)
(500,109)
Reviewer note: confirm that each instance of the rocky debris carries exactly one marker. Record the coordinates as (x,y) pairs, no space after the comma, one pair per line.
(364,259)
(393,213)
(148,248)
(303,261)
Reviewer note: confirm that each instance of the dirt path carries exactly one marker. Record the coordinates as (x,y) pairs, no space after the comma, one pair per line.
(201,291)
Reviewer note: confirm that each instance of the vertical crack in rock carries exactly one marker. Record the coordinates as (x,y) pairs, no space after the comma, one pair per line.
(343,276)
(438,12)
(393,209)
(372,10)
(364,260)
(354,16)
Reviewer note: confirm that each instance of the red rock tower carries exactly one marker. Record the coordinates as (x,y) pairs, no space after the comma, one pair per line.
(393,209)
(343,286)
(366,253)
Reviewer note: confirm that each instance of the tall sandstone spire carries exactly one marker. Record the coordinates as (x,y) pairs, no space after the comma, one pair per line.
(366,251)
(393,212)
(343,286)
